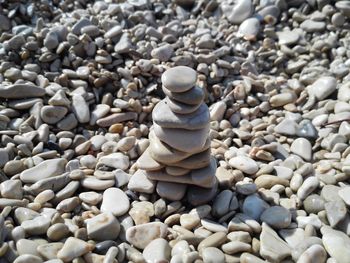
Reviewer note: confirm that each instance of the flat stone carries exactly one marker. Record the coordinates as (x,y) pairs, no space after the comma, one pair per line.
(277,217)
(146,162)
(80,108)
(272,247)
(292,236)
(217,111)
(183,140)
(166,118)
(244,164)
(49,251)
(103,227)
(344,193)
(176,171)
(163,153)
(113,32)
(314,204)
(308,186)
(115,160)
(204,177)
(196,161)
(303,148)
(267,181)
(37,225)
(240,11)
(323,87)
(92,198)
(286,127)
(221,204)
(115,201)
(336,212)
(336,243)
(194,96)
(213,255)
(288,37)
(20,91)
(171,191)
(116,118)
(303,245)
(139,182)
(315,253)
(198,195)
(181,108)
(80,248)
(254,206)
(27,246)
(249,28)
(26,258)
(57,231)
(163,53)
(214,240)
(157,250)
(313,26)
(141,235)
(11,189)
(53,114)
(45,169)
(179,79)
(92,183)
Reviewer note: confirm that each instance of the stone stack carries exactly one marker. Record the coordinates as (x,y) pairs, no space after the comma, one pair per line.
(178,156)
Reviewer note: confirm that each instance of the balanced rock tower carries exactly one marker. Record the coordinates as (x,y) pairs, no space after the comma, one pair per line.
(178,158)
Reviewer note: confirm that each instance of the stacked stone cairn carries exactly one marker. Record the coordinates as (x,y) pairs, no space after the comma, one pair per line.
(178,157)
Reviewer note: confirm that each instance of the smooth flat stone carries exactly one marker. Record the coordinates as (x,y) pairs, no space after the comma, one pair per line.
(179,79)
(115,201)
(103,227)
(315,253)
(27,246)
(49,251)
(336,212)
(171,191)
(198,195)
(166,118)
(163,153)
(303,148)
(147,163)
(204,177)
(272,247)
(194,96)
(254,206)
(26,258)
(176,171)
(139,182)
(141,235)
(115,160)
(196,161)
(276,217)
(181,108)
(157,250)
(167,155)
(43,170)
(81,247)
(182,140)
(244,164)
(20,91)
(323,87)
(336,243)
(213,255)
(92,183)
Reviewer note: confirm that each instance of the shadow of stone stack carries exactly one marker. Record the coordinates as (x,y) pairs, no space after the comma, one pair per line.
(178,156)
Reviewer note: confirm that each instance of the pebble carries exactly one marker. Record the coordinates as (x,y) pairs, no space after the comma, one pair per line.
(272,247)
(141,235)
(308,186)
(303,148)
(43,170)
(315,253)
(179,79)
(244,164)
(103,227)
(253,206)
(277,217)
(336,244)
(213,254)
(115,201)
(80,248)
(157,250)
(20,91)
(323,87)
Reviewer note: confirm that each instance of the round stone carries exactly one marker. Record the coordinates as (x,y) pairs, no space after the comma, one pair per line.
(276,217)
(179,79)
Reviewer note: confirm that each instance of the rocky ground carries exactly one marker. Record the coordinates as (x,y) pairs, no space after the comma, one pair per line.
(79,81)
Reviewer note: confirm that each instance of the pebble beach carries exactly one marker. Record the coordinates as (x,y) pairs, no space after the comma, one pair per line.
(179,131)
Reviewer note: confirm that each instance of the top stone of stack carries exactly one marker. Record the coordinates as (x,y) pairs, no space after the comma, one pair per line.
(179,79)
